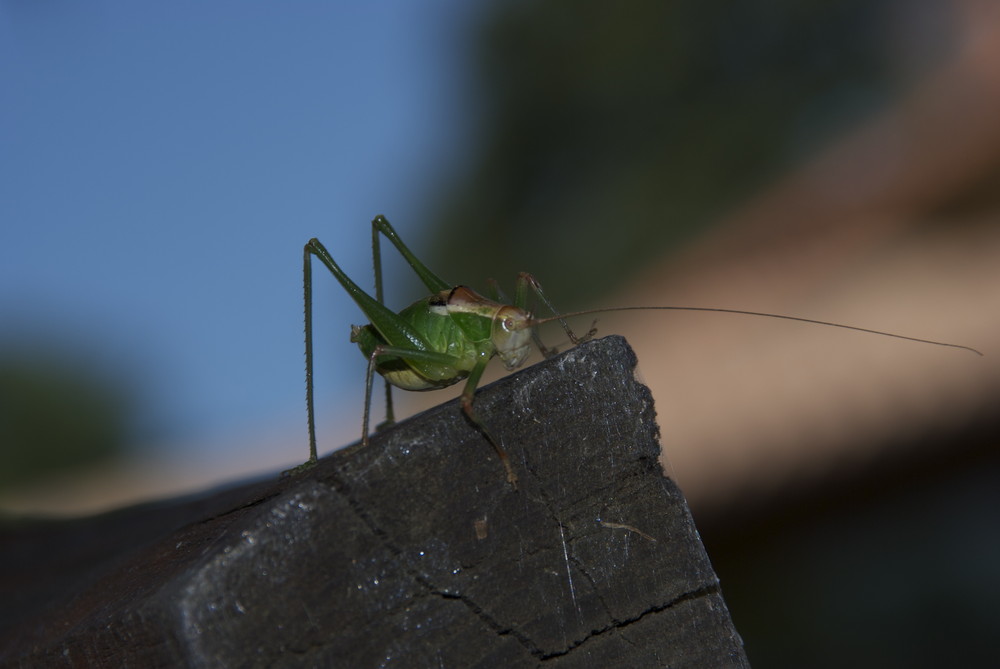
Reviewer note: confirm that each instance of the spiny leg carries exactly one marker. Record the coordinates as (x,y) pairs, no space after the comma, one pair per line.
(495,292)
(526,281)
(383,351)
(445,364)
(433,282)
(369,376)
(390,416)
(367,304)
(468,395)
(310,396)
(310,413)
(390,325)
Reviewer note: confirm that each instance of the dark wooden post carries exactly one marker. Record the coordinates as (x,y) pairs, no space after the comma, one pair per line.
(412,552)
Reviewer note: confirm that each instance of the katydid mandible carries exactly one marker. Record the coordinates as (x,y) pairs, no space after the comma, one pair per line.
(453,334)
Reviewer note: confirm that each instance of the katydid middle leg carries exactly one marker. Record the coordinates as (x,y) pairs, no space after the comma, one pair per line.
(373,308)
(467,397)
(434,283)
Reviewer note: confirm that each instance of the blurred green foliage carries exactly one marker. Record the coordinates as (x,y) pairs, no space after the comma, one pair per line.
(57,413)
(610,133)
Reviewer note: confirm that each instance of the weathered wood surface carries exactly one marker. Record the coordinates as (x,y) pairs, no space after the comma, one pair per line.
(412,552)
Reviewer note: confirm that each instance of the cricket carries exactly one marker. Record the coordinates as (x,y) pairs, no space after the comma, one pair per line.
(452,335)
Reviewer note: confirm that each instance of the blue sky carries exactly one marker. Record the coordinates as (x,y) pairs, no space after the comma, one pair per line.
(163,164)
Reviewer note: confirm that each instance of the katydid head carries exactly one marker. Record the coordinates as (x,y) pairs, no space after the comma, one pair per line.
(512,335)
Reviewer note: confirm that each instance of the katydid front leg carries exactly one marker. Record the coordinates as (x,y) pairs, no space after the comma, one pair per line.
(527,281)
(495,292)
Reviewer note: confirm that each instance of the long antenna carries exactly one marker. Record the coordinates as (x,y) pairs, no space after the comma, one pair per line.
(538,321)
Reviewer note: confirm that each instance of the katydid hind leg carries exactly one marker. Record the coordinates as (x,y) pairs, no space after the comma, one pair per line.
(310,403)
(390,416)
(310,392)
(392,328)
(389,324)
(432,281)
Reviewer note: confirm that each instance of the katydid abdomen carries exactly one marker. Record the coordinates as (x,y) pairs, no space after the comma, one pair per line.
(441,334)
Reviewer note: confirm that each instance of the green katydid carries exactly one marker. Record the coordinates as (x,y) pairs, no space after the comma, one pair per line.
(453,334)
